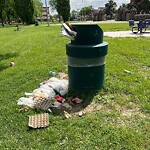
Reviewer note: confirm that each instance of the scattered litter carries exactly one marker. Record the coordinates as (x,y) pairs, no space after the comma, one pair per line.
(24,109)
(26,101)
(69,100)
(62,76)
(39,121)
(80,114)
(127,71)
(76,100)
(11,64)
(43,104)
(56,104)
(66,106)
(47,91)
(66,30)
(67,115)
(50,94)
(60,86)
(52,73)
(45,96)
(59,99)
(28,94)
(49,110)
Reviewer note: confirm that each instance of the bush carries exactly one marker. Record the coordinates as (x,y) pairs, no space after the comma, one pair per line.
(141,17)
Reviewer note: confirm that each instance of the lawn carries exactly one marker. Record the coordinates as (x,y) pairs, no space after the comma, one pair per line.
(121,117)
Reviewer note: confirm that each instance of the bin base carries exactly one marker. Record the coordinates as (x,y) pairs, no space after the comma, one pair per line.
(86,78)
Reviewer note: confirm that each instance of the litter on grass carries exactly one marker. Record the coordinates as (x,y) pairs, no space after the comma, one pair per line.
(11,64)
(46,96)
(50,94)
(39,121)
(67,30)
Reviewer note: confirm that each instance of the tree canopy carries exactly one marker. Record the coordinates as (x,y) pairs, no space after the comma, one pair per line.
(38,7)
(86,10)
(140,6)
(62,7)
(2,6)
(26,10)
(110,7)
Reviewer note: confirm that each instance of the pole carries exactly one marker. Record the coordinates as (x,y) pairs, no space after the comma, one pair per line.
(82,11)
(47,12)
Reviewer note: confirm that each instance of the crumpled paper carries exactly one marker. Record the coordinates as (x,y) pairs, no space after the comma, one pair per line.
(67,31)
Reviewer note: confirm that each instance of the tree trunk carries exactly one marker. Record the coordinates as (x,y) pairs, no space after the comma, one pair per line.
(59,17)
(1,18)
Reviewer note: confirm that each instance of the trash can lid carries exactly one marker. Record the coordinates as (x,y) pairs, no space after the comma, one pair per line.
(87,34)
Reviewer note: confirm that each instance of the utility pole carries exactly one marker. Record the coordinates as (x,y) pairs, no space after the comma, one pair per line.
(47,12)
(82,11)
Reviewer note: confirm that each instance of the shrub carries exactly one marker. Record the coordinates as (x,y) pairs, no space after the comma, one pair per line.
(141,17)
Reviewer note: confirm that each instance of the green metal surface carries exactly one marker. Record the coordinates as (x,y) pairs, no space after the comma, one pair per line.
(86,58)
(86,51)
(86,78)
(87,34)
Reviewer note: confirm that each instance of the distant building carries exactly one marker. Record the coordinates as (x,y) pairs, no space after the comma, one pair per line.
(45,14)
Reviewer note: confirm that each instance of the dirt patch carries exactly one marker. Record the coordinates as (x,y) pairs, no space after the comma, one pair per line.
(62,75)
(145,72)
(89,109)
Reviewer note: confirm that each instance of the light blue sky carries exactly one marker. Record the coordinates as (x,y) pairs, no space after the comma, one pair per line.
(77,4)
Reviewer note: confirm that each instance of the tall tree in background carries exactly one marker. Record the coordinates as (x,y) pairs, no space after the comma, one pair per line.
(9,12)
(25,10)
(140,6)
(63,8)
(53,4)
(38,8)
(2,6)
(143,5)
(110,7)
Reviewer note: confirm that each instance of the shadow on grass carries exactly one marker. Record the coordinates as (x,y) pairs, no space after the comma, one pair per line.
(5,57)
(8,55)
(3,67)
(87,98)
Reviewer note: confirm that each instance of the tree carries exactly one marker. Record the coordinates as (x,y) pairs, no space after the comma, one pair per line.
(86,10)
(9,12)
(63,8)
(25,10)
(38,8)
(143,5)
(140,5)
(53,4)
(110,7)
(2,6)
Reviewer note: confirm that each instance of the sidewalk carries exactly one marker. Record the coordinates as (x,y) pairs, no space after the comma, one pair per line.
(126,34)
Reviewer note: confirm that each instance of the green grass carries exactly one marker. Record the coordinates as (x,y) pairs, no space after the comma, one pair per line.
(122,122)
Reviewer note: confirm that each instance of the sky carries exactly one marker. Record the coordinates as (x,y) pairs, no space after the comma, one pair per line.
(78,4)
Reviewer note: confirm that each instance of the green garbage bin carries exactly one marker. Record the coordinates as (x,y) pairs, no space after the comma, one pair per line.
(86,58)
(36,23)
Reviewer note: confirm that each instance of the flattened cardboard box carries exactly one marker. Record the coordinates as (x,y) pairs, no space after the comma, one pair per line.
(39,121)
